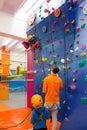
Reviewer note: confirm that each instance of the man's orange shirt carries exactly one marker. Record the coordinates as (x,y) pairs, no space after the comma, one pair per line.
(52,85)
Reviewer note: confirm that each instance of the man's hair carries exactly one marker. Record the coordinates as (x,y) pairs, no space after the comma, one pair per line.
(55,69)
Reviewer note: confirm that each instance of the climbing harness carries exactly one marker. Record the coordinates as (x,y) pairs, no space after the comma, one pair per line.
(40,116)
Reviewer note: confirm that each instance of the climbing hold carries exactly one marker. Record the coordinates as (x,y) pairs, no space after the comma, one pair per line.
(31,39)
(68,59)
(51,62)
(75,71)
(83,54)
(86,78)
(42,18)
(47,1)
(75,2)
(77,42)
(55,56)
(63,16)
(48,40)
(69,1)
(53,30)
(76,55)
(45,10)
(37,44)
(40,7)
(64,67)
(66,119)
(67,52)
(77,28)
(53,8)
(80,6)
(44,59)
(70,8)
(77,35)
(77,48)
(74,79)
(83,25)
(82,19)
(57,13)
(71,45)
(68,67)
(73,22)
(48,11)
(73,87)
(83,47)
(31,19)
(25,44)
(44,29)
(67,30)
(36,61)
(66,24)
(71,51)
(64,102)
(84,100)
(85,9)
(40,15)
(68,108)
(62,61)
(55,23)
(82,63)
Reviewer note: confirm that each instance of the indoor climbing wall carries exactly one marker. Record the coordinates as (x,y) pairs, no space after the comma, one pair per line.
(61,39)
(75,114)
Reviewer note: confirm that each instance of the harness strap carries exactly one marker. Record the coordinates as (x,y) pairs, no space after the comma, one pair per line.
(40,116)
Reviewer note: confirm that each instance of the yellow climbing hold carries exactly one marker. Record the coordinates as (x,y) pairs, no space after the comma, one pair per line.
(83,54)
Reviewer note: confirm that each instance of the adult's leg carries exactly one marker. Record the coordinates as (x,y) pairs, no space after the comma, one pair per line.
(54,119)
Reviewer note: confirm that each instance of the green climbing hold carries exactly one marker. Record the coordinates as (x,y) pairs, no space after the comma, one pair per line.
(44,29)
(86,78)
(84,100)
(82,63)
(83,26)
(42,17)
(40,7)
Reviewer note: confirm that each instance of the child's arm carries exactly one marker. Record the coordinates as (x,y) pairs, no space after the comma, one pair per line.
(33,118)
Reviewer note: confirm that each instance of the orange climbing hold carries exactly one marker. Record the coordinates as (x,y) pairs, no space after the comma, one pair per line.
(57,13)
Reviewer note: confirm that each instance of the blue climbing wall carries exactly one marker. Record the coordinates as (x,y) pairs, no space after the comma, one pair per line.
(64,44)
(75,115)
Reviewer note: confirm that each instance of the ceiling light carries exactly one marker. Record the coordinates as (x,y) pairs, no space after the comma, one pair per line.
(12,44)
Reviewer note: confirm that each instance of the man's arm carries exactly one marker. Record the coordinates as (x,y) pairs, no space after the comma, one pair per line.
(44,86)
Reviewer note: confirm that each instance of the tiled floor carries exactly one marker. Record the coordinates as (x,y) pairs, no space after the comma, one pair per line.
(16,100)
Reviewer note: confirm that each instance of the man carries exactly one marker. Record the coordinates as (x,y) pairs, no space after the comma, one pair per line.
(52,84)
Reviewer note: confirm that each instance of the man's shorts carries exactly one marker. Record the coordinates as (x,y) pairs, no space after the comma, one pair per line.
(52,107)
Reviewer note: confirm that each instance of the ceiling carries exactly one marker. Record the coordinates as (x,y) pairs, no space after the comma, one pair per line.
(11,6)
(17,51)
(18,54)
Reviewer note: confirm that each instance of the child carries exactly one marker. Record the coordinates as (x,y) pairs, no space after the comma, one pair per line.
(39,114)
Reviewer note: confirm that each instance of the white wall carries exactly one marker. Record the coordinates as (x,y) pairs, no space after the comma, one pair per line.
(12,26)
